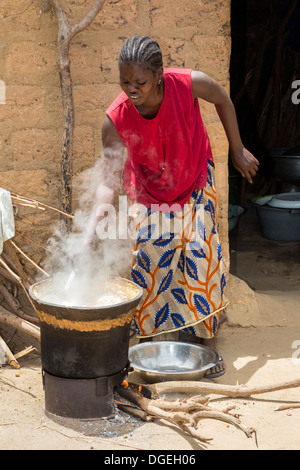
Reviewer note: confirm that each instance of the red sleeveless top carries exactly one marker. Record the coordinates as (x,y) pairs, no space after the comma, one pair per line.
(167,155)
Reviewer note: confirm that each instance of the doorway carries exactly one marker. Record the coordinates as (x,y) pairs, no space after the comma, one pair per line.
(264,78)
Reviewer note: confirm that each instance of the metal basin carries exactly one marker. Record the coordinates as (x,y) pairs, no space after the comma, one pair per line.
(277,223)
(171,360)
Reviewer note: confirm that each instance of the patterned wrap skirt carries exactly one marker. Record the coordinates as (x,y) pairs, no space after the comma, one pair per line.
(177,260)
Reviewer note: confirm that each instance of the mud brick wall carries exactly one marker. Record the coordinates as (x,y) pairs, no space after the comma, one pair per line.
(193,34)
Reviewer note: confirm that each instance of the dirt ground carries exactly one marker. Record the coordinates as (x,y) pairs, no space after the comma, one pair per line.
(259,341)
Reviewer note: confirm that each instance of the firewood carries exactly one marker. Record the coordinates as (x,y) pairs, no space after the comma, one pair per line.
(8,318)
(233,391)
(24,352)
(287,407)
(6,356)
(136,412)
(180,413)
(22,201)
(14,305)
(9,250)
(28,258)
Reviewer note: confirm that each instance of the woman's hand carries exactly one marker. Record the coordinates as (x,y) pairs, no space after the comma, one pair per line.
(244,162)
(207,88)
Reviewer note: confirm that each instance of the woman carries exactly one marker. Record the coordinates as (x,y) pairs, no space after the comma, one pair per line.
(169,177)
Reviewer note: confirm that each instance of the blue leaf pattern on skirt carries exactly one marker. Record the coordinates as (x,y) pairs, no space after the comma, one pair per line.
(196,250)
(178,320)
(138,278)
(200,228)
(143,260)
(183,276)
(162,315)
(145,233)
(165,282)
(179,295)
(191,268)
(181,262)
(164,240)
(210,208)
(222,283)
(166,259)
(201,304)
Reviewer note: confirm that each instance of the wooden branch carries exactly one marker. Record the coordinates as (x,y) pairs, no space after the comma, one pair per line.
(4,273)
(187,406)
(8,318)
(19,281)
(287,407)
(65,34)
(28,259)
(18,268)
(227,418)
(17,199)
(45,248)
(136,412)
(6,356)
(86,21)
(24,352)
(11,272)
(233,391)
(146,405)
(179,413)
(14,305)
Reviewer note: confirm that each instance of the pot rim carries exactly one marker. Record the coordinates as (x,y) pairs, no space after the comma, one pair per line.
(132,300)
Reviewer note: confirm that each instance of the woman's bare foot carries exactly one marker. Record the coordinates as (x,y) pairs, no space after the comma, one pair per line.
(219,368)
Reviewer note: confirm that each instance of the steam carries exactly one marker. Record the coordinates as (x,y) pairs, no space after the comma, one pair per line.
(79,271)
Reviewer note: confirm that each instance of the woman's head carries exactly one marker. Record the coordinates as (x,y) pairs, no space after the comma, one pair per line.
(143,51)
(141,71)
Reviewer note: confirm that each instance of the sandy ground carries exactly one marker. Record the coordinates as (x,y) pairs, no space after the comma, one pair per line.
(260,342)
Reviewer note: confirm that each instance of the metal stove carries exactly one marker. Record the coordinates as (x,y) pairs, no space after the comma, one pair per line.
(84,352)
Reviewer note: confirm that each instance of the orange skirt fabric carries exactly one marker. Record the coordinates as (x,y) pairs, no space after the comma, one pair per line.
(178,262)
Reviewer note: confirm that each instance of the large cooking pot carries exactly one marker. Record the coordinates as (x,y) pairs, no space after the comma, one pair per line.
(85,342)
(285,164)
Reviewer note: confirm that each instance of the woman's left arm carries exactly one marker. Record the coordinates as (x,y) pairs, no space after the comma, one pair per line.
(210,90)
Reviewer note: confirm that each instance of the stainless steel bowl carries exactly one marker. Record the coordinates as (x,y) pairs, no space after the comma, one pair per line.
(161,361)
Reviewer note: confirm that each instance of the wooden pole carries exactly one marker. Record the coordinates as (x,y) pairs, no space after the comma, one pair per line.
(66,32)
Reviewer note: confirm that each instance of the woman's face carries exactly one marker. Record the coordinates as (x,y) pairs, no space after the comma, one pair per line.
(139,83)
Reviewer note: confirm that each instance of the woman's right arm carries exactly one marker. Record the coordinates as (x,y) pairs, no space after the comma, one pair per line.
(110,179)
